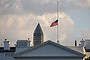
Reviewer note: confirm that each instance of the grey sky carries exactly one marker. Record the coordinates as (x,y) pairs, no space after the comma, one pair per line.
(18,19)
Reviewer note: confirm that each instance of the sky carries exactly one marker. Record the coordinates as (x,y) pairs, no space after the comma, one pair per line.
(19,18)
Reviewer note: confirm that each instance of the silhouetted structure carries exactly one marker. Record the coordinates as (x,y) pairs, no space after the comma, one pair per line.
(38,35)
(75,43)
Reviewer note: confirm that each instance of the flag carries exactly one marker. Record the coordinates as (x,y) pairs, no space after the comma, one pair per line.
(54,23)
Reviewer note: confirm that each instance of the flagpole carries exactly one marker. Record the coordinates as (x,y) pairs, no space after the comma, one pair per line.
(57,26)
(57,9)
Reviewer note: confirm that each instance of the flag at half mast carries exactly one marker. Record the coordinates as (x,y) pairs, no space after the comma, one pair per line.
(54,23)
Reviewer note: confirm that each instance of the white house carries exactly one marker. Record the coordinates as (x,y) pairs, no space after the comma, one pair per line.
(49,51)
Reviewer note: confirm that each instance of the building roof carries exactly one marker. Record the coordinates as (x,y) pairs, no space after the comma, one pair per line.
(12,49)
(77,48)
(52,44)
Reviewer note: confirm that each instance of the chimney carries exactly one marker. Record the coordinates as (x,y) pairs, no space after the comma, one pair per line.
(6,45)
(28,43)
(82,43)
(75,43)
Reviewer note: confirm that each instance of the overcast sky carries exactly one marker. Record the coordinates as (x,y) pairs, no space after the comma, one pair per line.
(18,19)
